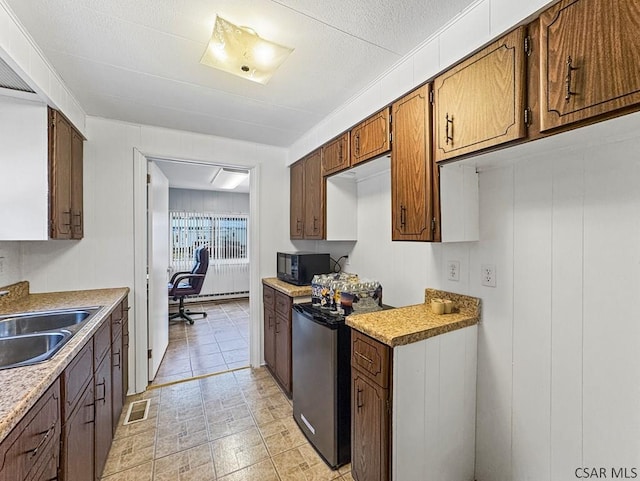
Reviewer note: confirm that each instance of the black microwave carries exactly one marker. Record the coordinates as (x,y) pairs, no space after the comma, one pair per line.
(299,267)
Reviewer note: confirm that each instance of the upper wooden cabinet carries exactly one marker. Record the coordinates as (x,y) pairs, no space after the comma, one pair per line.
(313,197)
(589,57)
(296,200)
(65,179)
(413,173)
(372,137)
(335,155)
(480,103)
(307,198)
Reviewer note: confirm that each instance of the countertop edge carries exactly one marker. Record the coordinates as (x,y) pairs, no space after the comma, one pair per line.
(409,338)
(289,289)
(39,377)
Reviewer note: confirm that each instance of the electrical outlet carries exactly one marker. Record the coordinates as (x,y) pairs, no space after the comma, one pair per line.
(488,275)
(453,270)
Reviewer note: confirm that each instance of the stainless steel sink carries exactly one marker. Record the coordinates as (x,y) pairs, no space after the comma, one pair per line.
(27,349)
(32,322)
(32,337)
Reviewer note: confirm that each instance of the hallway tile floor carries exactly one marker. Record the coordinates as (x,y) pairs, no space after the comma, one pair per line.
(233,426)
(216,343)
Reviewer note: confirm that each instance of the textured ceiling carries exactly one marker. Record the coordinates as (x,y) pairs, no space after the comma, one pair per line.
(138,60)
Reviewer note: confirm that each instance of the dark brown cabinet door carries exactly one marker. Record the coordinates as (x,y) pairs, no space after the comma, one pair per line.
(412,169)
(590,52)
(296,200)
(335,155)
(313,197)
(77,220)
(103,416)
(270,337)
(77,452)
(371,138)
(34,440)
(117,391)
(480,103)
(60,154)
(65,179)
(370,435)
(283,351)
(125,359)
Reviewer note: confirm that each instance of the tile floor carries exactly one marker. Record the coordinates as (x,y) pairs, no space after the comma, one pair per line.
(233,426)
(216,343)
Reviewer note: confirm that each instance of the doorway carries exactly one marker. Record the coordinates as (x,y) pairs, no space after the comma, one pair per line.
(227,337)
(218,339)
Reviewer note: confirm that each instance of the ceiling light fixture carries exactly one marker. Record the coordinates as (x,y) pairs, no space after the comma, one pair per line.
(229,179)
(241,51)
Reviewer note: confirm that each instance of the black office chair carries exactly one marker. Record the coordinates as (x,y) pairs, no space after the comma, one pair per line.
(185,284)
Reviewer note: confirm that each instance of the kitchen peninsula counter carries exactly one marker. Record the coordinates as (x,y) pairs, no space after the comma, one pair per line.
(406,325)
(23,386)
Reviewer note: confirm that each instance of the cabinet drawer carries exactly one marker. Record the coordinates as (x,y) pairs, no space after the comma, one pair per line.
(33,438)
(101,343)
(371,357)
(75,379)
(268,296)
(283,305)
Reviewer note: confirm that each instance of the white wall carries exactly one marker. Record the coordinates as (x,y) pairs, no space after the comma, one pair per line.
(10,258)
(559,342)
(104,258)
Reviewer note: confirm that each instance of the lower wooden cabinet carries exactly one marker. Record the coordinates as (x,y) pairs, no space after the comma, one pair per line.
(78,439)
(370,434)
(104,413)
(32,446)
(269,336)
(283,351)
(117,392)
(277,336)
(388,414)
(67,434)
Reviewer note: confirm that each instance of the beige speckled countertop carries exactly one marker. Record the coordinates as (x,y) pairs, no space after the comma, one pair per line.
(404,325)
(289,289)
(22,386)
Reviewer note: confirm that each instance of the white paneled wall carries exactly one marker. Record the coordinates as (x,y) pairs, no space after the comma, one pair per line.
(559,341)
(10,258)
(104,258)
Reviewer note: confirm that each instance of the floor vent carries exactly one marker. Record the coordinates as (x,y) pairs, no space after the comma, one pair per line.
(138,411)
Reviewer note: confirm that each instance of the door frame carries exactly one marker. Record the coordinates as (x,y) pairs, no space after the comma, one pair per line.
(140,374)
